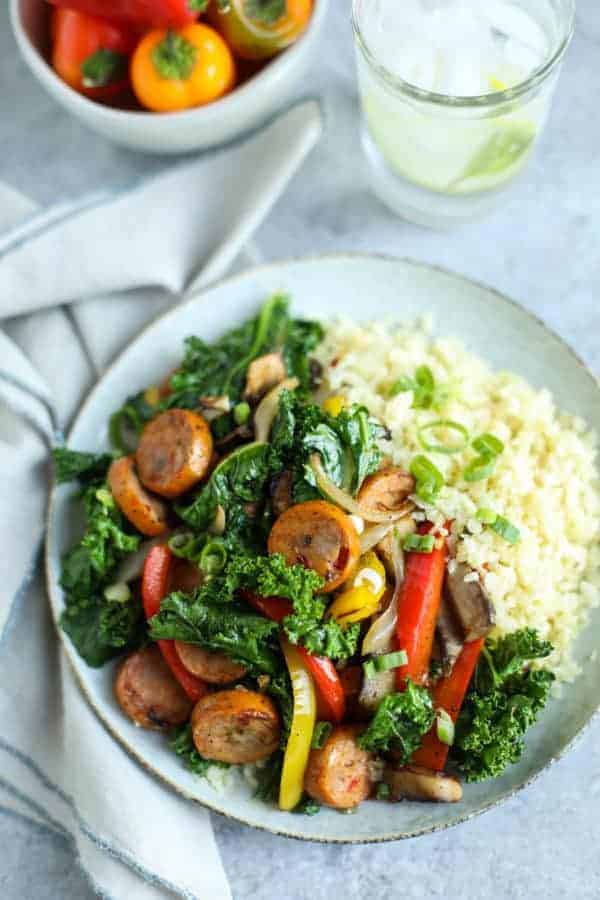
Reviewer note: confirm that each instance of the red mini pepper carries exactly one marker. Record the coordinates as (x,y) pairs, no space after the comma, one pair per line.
(91,54)
(155,586)
(418,607)
(145,13)
(449,694)
(330,693)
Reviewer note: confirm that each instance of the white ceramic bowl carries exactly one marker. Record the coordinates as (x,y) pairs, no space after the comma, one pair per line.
(361,287)
(196,129)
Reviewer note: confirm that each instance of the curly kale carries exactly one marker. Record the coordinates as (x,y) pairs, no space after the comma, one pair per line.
(99,629)
(400,722)
(505,699)
(181,742)
(86,468)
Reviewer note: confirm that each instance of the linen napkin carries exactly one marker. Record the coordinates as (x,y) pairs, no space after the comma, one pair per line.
(130,253)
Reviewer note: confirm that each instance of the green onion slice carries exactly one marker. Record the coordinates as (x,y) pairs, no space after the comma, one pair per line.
(382,791)
(449,425)
(428,477)
(241,413)
(486,515)
(213,558)
(384,663)
(401,386)
(506,530)
(321,732)
(419,543)
(117,593)
(480,469)
(488,445)
(444,727)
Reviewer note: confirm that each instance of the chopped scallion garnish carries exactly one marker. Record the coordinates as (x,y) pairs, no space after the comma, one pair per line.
(241,413)
(382,792)
(384,663)
(506,530)
(486,515)
(419,543)
(440,425)
(480,469)
(488,445)
(213,558)
(428,477)
(426,393)
(444,727)
(321,732)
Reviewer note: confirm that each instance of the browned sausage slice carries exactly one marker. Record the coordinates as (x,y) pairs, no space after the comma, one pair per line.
(148,693)
(174,452)
(386,490)
(147,513)
(212,667)
(319,536)
(338,774)
(236,726)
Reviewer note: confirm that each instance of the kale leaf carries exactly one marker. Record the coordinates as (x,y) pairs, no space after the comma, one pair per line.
(348,444)
(98,628)
(238,485)
(127,423)
(181,742)
(400,722)
(504,700)
(220,368)
(247,638)
(87,468)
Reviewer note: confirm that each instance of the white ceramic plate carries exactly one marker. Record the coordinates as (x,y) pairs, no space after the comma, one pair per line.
(363,287)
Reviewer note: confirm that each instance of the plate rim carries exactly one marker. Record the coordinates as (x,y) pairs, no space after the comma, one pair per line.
(51,587)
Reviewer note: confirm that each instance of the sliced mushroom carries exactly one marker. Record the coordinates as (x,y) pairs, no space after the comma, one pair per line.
(417,783)
(470,603)
(449,635)
(281,492)
(233,438)
(213,407)
(262,375)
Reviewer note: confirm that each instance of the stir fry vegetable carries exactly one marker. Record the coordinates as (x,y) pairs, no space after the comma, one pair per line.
(286,581)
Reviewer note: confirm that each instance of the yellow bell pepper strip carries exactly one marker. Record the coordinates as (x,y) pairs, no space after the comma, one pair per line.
(303,722)
(361,599)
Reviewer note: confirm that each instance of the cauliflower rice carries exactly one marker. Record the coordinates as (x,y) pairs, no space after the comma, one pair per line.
(545,481)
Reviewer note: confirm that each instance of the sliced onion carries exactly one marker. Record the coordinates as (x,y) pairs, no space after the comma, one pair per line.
(380,636)
(345,501)
(218,525)
(371,536)
(132,566)
(267,409)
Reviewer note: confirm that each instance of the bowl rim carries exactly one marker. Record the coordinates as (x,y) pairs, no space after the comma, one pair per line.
(272,72)
(52,586)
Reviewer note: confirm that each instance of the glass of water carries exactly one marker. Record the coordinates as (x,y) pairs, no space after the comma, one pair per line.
(454,95)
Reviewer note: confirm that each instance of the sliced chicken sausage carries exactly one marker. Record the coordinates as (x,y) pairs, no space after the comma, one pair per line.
(386,490)
(210,666)
(338,774)
(148,693)
(236,726)
(319,536)
(174,452)
(147,513)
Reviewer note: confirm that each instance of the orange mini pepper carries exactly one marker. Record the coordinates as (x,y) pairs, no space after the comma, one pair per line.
(178,69)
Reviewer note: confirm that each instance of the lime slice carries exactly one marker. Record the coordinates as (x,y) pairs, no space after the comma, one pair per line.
(506,147)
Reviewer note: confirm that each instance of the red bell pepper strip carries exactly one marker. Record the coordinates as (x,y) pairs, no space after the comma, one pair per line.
(330,693)
(146,13)
(449,694)
(155,586)
(418,607)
